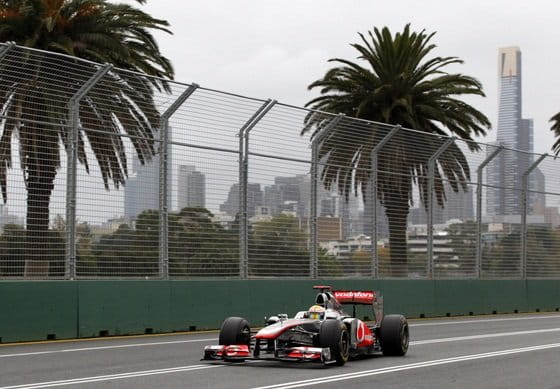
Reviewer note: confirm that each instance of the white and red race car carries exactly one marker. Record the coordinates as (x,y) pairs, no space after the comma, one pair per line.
(324,334)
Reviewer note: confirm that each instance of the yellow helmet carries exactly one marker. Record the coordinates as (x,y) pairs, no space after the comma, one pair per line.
(316,312)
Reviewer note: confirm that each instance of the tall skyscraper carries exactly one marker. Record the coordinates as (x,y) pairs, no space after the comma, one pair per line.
(254,200)
(191,187)
(141,191)
(504,173)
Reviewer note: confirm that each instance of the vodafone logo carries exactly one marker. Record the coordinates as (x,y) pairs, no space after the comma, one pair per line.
(351,296)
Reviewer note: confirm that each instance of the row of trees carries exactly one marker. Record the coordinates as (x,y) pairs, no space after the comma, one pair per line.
(501,254)
(399,83)
(198,246)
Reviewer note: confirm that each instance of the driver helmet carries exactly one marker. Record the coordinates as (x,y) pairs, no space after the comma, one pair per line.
(316,312)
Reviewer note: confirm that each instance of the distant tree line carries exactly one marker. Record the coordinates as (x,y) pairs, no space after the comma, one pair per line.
(198,247)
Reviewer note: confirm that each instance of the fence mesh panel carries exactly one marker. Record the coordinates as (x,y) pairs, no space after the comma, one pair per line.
(175,180)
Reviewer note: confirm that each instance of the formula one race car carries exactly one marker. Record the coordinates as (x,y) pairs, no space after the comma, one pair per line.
(324,333)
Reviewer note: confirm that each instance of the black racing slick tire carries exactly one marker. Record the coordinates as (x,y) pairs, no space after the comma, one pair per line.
(235,330)
(394,335)
(334,335)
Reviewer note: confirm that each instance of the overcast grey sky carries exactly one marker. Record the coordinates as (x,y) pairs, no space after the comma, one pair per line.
(274,49)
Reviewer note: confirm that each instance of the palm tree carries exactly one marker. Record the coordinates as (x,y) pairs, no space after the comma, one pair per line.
(400,85)
(32,87)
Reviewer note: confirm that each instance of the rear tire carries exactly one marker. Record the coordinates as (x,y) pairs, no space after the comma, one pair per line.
(394,335)
(235,330)
(333,334)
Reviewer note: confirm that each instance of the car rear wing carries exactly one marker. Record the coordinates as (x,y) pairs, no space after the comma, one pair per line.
(362,297)
(365,297)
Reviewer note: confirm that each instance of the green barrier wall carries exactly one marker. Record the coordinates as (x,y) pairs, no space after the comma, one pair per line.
(68,309)
(38,310)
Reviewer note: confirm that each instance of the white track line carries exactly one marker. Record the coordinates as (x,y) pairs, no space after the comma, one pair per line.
(392,369)
(133,374)
(474,321)
(71,350)
(484,336)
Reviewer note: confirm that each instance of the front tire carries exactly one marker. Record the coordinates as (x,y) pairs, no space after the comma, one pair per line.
(235,330)
(333,334)
(394,335)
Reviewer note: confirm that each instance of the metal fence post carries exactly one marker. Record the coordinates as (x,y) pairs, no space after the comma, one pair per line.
(244,182)
(71,170)
(431,188)
(5,49)
(525,204)
(163,184)
(373,195)
(479,172)
(314,232)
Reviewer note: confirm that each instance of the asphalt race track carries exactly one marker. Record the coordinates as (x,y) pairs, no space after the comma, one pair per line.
(510,351)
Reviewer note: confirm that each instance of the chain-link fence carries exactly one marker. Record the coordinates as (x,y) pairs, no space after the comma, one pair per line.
(107,173)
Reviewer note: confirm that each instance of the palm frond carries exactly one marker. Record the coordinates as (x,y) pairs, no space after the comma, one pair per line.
(556,129)
(400,85)
(97,30)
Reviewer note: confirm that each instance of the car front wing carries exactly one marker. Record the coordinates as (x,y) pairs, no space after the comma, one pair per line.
(242,352)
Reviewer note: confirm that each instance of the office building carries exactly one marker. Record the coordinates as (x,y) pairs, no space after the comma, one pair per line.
(191,187)
(141,191)
(458,206)
(254,200)
(505,172)
(289,194)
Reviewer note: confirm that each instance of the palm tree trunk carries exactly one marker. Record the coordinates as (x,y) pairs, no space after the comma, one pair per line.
(41,173)
(397,213)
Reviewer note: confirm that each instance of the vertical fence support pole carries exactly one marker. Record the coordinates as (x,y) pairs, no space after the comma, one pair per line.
(373,196)
(71,170)
(5,49)
(244,182)
(525,204)
(313,230)
(163,184)
(431,187)
(479,172)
